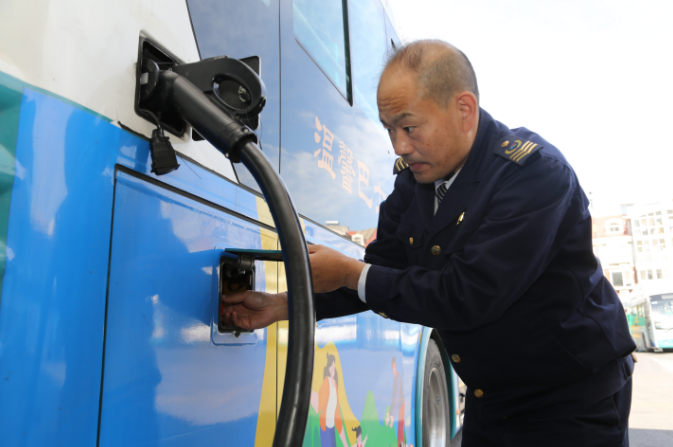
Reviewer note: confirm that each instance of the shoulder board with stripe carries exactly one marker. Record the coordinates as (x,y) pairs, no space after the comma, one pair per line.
(516,149)
(400,165)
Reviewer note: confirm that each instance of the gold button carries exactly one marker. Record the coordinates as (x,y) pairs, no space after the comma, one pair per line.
(455,358)
(478,393)
(460,218)
(505,143)
(411,240)
(435,250)
(383,315)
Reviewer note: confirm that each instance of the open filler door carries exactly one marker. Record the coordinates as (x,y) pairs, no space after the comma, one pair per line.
(237,274)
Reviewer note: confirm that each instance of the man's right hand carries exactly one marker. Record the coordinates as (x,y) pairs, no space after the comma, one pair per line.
(254,310)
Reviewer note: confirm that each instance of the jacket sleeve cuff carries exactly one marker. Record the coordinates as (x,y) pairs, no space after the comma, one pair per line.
(378,288)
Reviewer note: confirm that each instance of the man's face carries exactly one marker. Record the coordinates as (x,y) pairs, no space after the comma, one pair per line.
(430,138)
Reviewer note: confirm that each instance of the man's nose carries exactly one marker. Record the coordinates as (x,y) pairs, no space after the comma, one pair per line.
(402,145)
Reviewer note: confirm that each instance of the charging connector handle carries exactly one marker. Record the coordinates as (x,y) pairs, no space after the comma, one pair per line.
(221,130)
(237,142)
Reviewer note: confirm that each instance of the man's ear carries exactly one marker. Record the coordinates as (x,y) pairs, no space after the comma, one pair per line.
(469,109)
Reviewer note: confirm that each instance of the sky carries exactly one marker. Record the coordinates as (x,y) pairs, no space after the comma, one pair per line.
(592,77)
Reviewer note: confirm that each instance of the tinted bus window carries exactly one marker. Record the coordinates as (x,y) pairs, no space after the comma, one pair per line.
(336,162)
(321,29)
(217,35)
(368,49)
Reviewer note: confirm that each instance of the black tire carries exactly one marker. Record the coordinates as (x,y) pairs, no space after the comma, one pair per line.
(645,344)
(436,411)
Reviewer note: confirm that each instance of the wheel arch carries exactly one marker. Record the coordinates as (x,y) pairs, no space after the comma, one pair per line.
(451,378)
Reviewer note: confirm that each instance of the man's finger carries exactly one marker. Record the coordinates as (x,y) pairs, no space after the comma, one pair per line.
(234,299)
(243,323)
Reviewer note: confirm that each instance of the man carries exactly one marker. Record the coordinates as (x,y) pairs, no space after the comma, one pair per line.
(487,238)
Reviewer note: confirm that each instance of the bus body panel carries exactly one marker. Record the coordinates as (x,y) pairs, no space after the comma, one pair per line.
(338,160)
(166,382)
(90,226)
(53,297)
(52,314)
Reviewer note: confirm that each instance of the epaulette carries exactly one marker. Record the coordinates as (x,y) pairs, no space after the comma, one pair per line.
(400,165)
(516,149)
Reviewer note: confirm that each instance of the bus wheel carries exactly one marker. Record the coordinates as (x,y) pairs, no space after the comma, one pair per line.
(436,418)
(646,345)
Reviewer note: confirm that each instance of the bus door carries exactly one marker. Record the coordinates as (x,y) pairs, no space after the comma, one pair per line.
(171,377)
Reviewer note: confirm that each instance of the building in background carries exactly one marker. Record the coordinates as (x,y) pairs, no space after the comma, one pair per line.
(652,226)
(362,237)
(613,245)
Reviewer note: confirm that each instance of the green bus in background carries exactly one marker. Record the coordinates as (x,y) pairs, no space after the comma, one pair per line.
(649,311)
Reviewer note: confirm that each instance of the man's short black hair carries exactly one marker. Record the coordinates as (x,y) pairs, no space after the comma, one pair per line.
(442,69)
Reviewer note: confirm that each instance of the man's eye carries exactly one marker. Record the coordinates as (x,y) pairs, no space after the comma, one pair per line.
(409,129)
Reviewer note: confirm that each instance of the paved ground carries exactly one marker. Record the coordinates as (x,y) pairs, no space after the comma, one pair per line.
(651,422)
(456,441)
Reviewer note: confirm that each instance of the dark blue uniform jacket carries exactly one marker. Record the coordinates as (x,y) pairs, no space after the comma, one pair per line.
(506,274)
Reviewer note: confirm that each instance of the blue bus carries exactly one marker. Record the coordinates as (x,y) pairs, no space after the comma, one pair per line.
(111,263)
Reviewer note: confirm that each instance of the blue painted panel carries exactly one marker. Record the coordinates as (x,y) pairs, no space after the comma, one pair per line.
(253,32)
(367,345)
(165,382)
(51,320)
(53,309)
(336,162)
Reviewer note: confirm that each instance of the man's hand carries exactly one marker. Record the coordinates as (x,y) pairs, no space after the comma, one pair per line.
(254,310)
(332,270)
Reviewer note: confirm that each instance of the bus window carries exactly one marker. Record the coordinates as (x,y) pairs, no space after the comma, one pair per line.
(321,29)
(662,313)
(336,162)
(215,36)
(617,279)
(368,49)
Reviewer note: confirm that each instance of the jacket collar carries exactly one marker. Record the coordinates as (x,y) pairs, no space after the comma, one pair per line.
(459,194)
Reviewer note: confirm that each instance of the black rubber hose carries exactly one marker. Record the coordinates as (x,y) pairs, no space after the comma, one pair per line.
(227,135)
(293,415)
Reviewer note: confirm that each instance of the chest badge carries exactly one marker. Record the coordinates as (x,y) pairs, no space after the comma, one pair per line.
(460,218)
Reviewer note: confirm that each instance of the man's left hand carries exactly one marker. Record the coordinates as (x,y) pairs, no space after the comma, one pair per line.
(332,269)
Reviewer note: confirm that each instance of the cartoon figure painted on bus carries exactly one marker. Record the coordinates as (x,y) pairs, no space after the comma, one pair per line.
(326,403)
(331,422)
(395,416)
(359,441)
